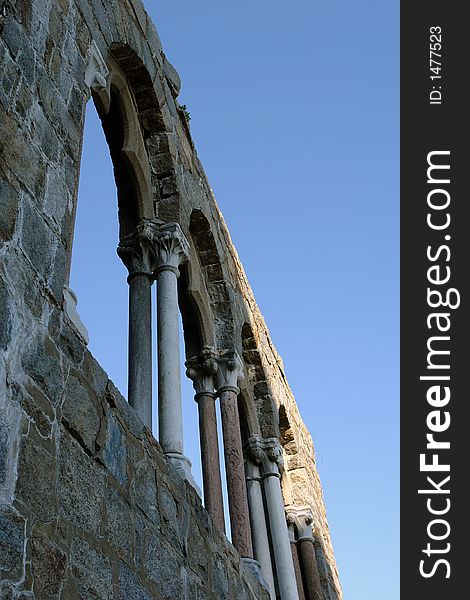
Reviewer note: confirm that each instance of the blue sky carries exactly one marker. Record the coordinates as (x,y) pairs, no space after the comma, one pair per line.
(294,112)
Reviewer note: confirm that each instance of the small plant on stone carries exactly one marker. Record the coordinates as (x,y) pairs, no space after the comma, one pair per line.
(186,113)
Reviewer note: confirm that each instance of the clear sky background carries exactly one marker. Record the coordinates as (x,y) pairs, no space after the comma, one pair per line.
(294,113)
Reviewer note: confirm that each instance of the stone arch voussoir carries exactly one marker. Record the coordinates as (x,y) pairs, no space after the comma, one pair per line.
(257,380)
(220,300)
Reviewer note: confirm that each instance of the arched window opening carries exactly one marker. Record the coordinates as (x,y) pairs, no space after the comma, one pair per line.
(191,319)
(114,129)
(191,342)
(98,277)
(242,415)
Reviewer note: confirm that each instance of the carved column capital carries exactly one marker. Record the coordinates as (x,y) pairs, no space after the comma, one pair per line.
(96,70)
(229,372)
(136,249)
(254,450)
(301,518)
(266,453)
(171,248)
(274,452)
(202,369)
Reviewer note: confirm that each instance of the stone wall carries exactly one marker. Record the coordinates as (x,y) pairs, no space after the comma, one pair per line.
(89,507)
(97,512)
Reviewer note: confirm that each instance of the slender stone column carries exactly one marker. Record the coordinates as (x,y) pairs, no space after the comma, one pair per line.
(295,558)
(201,370)
(172,249)
(135,252)
(259,528)
(272,460)
(228,374)
(302,518)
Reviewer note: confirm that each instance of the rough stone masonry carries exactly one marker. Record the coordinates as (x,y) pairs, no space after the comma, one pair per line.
(92,506)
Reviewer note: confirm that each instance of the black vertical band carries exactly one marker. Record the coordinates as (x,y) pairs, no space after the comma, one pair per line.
(435,303)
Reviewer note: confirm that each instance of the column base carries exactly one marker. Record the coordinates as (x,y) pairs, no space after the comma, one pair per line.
(252,569)
(183,465)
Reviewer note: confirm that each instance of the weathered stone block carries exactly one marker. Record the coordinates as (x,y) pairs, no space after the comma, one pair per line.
(241,592)
(12,529)
(118,526)
(32,406)
(162,568)
(132,419)
(70,590)
(94,374)
(76,105)
(83,38)
(8,209)
(9,76)
(20,47)
(55,201)
(114,451)
(220,580)
(70,343)
(58,276)
(130,588)
(42,362)
(144,490)
(20,157)
(36,484)
(256,582)
(24,100)
(5,317)
(80,486)
(169,514)
(92,572)
(6,590)
(37,239)
(80,413)
(48,565)
(4,439)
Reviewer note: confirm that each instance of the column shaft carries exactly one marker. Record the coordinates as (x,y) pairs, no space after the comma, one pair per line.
(213,499)
(295,559)
(234,467)
(311,576)
(259,528)
(298,572)
(280,538)
(170,416)
(140,346)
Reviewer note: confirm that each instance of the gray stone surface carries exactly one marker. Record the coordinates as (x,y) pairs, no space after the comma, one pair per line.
(130,587)
(144,490)
(41,361)
(80,413)
(114,452)
(80,486)
(35,487)
(117,525)
(48,566)
(92,571)
(162,569)
(38,239)
(4,444)
(8,208)
(12,528)
(5,317)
